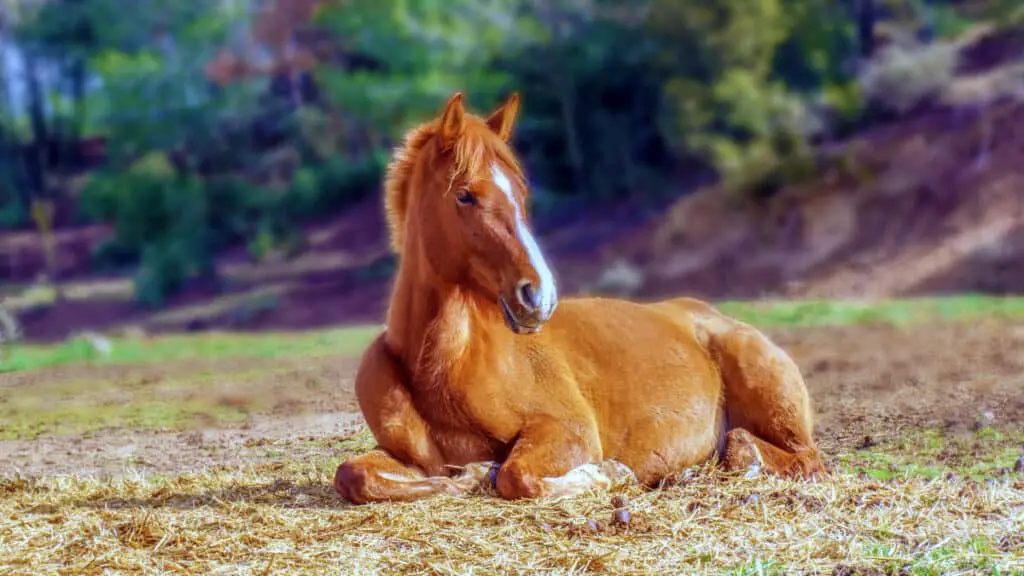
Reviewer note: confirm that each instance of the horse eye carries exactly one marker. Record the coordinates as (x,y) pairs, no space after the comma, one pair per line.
(465,197)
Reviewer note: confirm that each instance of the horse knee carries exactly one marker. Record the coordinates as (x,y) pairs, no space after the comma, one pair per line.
(515,482)
(652,471)
(351,481)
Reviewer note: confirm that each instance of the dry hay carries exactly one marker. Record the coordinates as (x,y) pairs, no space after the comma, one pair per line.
(285,519)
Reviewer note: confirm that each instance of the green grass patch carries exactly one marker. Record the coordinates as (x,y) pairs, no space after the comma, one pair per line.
(78,406)
(149,400)
(71,418)
(931,453)
(850,312)
(213,345)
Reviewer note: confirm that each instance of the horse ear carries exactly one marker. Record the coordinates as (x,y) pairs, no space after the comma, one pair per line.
(453,120)
(504,118)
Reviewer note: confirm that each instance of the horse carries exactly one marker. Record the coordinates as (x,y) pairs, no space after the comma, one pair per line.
(483,376)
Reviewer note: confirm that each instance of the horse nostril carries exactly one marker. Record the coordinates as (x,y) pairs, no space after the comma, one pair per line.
(526,295)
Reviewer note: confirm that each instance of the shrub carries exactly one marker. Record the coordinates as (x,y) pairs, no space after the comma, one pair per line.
(172,223)
(13,211)
(843,109)
(906,75)
(341,181)
(740,96)
(762,138)
(164,269)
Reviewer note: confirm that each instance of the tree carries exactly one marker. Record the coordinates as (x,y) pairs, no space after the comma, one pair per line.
(425,50)
(737,70)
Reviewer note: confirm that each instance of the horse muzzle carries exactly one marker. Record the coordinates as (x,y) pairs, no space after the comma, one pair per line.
(527,311)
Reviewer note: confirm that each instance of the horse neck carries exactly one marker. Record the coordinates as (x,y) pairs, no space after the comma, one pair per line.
(429,323)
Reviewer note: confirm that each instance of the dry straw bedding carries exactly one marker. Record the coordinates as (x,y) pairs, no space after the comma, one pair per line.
(285,519)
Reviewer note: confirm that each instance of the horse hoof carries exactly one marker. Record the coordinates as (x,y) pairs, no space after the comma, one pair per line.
(477,474)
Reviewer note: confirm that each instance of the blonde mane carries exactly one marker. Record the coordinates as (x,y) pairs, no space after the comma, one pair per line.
(474,152)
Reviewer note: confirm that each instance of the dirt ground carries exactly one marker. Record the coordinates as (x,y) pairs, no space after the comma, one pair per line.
(866,382)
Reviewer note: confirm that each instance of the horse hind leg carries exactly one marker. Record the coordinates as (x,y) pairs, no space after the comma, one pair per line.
(744,451)
(770,420)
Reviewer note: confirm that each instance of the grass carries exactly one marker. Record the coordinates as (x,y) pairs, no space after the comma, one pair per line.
(85,418)
(351,340)
(283,517)
(797,313)
(211,345)
(933,454)
(168,398)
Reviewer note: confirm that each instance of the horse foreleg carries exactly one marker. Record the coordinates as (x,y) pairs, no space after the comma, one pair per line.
(378,477)
(555,459)
(407,465)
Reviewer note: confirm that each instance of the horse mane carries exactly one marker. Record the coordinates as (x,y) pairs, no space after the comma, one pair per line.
(473,153)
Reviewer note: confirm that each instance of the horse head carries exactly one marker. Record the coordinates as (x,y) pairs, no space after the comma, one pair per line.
(456,198)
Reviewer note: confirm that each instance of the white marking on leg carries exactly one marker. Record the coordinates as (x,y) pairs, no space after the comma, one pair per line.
(547,292)
(588,478)
(397,477)
(414,485)
(755,467)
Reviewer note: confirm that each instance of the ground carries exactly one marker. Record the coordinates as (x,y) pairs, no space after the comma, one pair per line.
(222,464)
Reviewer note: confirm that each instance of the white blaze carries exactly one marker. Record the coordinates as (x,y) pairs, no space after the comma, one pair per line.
(546,292)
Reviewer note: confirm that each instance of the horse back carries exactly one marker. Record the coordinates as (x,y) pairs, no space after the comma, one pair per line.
(630,356)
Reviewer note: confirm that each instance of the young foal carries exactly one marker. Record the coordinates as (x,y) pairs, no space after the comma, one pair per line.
(464,378)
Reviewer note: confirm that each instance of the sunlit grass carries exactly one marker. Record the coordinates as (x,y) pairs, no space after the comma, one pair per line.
(896,311)
(71,418)
(210,345)
(936,454)
(154,399)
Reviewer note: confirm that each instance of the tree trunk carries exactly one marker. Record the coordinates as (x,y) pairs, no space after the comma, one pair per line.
(866,18)
(37,153)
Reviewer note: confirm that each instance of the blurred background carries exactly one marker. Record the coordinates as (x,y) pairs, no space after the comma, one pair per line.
(197,165)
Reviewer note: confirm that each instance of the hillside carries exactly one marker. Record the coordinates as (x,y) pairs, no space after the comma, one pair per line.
(928,205)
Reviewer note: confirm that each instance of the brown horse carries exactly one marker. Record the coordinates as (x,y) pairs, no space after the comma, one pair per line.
(476,377)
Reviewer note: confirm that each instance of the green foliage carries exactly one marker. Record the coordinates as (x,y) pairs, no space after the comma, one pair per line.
(733,97)
(13,212)
(589,120)
(845,103)
(944,19)
(174,222)
(819,47)
(163,218)
(425,49)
